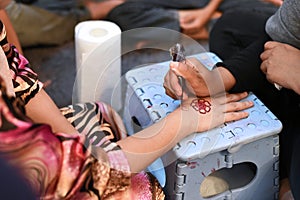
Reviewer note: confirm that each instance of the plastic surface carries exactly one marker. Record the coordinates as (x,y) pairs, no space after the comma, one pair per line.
(254,139)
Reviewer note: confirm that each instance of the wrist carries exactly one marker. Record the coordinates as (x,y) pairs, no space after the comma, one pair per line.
(187,118)
(228,79)
(296,87)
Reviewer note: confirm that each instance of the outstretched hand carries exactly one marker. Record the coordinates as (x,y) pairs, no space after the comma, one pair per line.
(202,114)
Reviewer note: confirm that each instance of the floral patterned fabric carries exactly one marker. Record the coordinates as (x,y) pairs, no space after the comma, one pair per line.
(63,166)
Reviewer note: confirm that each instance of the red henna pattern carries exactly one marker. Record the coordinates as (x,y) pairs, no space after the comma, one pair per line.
(201,105)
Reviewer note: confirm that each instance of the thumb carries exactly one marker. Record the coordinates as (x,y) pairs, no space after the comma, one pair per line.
(187,70)
(179,68)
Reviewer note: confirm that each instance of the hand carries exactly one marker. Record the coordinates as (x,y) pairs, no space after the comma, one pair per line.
(144,147)
(209,112)
(199,81)
(193,22)
(100,10)
(280,63)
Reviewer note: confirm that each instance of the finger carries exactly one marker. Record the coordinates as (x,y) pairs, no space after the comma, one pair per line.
(238,106)
(195,75)
(176,85)
(266,54)
(263,67)
(234,116)
(185,19)
(270,44)
(167,80)
(178,68)
(190,27)
(235,97)
(187,70)
(170,93)
(172,85)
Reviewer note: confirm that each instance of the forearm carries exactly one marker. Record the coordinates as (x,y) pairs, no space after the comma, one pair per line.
(214,4)
(218,81)
(41,109)
(212,7)
(227,78)
(151,143)
(144,147)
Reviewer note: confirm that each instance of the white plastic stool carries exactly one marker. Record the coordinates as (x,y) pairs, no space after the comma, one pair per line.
(249,142)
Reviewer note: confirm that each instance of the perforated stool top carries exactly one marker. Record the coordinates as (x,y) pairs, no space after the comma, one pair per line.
(147,84)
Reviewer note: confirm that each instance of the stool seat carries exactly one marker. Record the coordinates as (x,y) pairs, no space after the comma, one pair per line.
(252,142)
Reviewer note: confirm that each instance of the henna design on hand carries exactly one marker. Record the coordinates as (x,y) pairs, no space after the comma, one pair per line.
(201,105)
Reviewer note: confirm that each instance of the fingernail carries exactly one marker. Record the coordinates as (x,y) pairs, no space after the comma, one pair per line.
(250,103)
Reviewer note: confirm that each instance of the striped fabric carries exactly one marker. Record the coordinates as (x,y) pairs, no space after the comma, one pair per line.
(25,80)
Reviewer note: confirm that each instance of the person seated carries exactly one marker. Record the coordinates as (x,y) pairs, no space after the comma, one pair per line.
(56,19)
(261,57)
(191,17)
(82,151)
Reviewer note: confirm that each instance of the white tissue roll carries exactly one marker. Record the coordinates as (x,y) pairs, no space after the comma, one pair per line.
(98,62)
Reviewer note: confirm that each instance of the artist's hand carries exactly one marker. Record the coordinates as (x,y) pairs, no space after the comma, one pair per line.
(203,114)
(281,65)
(199,81)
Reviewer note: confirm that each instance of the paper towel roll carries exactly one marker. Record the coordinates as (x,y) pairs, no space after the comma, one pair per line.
(98,63)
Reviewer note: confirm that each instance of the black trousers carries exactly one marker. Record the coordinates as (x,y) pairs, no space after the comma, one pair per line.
(157,13)
(238,38)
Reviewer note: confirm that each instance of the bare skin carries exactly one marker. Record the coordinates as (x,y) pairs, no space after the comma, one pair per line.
(99,10)
(193,22)
(199,81)
(144,147)
(284,190)
(275,2)
(281,65)
(4,3)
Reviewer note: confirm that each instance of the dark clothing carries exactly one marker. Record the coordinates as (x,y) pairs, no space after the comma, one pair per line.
(295,166)
(53,5)
(12,184)
(144,13)
(238,38)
